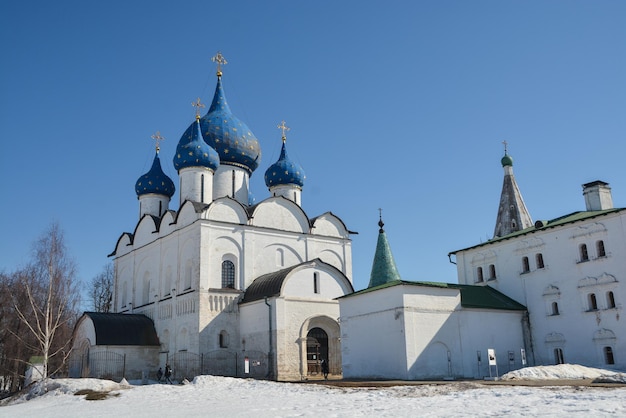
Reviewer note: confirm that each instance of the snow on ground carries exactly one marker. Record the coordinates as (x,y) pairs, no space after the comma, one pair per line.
(563,372)
(231,397)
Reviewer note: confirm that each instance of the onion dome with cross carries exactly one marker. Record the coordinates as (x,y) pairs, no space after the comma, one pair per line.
(224,132)
(192,151)
(284,171)
(155,181)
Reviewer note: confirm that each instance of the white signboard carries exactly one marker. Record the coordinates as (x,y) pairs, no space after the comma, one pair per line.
(523,357)
(491,353)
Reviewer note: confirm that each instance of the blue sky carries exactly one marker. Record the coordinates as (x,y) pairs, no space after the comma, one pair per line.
(399,105)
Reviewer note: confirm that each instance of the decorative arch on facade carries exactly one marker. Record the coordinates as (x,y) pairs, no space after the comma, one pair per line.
(281,214)
(226,209)
(328,224)
(333,333)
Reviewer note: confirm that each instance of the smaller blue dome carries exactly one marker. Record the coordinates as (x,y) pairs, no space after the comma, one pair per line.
(192,151)
(284,171)
(155,181)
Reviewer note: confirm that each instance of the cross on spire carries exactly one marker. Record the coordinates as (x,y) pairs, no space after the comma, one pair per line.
(220,60)
(198,105)
(157,137)
(284,128)
(505,145)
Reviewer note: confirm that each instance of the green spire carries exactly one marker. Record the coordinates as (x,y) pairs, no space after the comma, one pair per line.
(384,268)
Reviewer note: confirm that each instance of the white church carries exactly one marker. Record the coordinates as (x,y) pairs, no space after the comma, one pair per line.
(221,285)
(229,287)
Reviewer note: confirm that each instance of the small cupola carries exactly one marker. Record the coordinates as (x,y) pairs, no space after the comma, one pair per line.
(285,177)
(154,189)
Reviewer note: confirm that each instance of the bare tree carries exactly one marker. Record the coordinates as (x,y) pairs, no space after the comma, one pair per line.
(49,308)
(102,289)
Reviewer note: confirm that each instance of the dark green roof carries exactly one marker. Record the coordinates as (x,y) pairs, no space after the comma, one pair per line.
(123,329)
(543,225)
(384,268)
(472,296)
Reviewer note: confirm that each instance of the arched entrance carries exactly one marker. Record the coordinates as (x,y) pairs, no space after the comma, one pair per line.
(316,349)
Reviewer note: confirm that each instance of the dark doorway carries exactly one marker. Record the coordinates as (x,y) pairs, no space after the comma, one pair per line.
(316,349)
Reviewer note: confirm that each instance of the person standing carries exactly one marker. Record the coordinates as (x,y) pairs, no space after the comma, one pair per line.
(168,374)
(324,365)
(159,375)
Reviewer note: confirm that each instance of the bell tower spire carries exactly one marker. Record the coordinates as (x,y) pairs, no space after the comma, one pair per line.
(512,212)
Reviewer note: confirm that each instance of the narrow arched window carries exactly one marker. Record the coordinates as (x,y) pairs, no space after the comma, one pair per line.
(584,255)
(228,274)
(600,249)
(492,272)
(316,283)
(593,303)
(525,265)
(608,355)
(539,260)
(555,308)
(223,339)
(202,188)
(610,299)
(479,274)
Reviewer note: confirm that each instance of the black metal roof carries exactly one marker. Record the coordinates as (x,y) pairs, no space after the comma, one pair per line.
(123,329)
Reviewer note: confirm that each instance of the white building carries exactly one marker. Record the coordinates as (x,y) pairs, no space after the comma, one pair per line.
(569,272)
(232,288)
(398,329)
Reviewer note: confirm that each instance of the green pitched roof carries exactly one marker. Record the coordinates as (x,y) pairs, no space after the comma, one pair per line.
(472,296)
(384,268)
(542,225)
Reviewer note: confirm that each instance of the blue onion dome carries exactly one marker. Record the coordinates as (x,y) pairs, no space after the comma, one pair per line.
(507,160)
(155,181)
(284,171)
(230,137)
(192,151)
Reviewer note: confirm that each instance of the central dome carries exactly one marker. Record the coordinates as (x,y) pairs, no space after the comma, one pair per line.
(225,133)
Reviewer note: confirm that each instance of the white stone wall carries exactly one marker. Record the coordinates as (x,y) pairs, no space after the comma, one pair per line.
(420,332)
(582,333)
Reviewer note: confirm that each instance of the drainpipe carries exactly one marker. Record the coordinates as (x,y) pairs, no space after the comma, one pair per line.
(270,359)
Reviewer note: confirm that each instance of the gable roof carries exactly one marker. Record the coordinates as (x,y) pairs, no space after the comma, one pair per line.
(543,225)
(472,296)
(270,284)
(123,329)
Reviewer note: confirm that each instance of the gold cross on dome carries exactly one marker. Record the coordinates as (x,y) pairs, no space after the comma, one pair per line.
(505,144)
(157,137)
(285,129)
(219,58)
(198,105)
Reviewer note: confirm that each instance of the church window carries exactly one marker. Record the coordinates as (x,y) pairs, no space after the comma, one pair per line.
(600,249)
(539,260)
(584,255)
(280,257)
(233,183)
(525,265)
(558,356)
(202,188)
(223,339)
(593,303)
(228,274)
(479,274)
(610,299)
(492,272)
(608,355)
(555,308)
(316,283)
(160,207)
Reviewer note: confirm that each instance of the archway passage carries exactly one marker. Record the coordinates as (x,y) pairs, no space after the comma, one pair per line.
(316,349)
